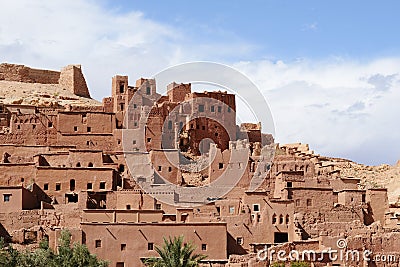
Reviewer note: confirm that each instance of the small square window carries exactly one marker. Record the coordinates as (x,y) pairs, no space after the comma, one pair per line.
(256,207)
(128,207)
(148,91)
(97,243)
(18,127)
(6,197)
(159,168)
(150,246)
(133,142)
(219,109)
(122,106)
(309,202)
(239,240)
(158,206)
(46,187)
(89,129)
(123,247)
(33,126)
(58,186)
(297,202)
(201,108)
(231,210)
(229,109)
(89,186)
(50,124)
(169,169)
(134,106)
(212,108)
(148,140)
(203,246)
(102,185)
(75,128)
(220,165)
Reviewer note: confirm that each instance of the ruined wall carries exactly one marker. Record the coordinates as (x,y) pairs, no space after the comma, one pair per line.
(21,73)
(177,92)
(71,77)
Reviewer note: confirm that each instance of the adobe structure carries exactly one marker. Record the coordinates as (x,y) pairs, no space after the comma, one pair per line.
(115,174)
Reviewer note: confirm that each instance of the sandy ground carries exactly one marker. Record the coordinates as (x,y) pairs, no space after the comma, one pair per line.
(42,95)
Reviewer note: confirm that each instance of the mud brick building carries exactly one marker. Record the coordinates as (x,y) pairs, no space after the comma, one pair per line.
(115,174)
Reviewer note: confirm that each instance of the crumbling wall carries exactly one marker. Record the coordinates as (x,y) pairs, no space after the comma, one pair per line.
(71,78)
(21,73)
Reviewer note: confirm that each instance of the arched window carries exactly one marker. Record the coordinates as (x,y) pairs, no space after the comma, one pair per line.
(287,218)
(78,164)
(90,164)
(274,219)
(281,219)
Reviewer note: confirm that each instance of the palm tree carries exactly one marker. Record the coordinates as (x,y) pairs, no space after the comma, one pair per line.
(175,254)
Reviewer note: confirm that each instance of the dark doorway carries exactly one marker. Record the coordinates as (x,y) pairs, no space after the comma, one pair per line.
(281,237)
(72,198)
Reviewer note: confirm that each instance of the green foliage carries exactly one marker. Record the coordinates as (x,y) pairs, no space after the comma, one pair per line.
(175,254)
(299,264)
(278,264)
(76,256)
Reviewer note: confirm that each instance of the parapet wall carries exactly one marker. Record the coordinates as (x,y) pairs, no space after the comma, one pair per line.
(21,73)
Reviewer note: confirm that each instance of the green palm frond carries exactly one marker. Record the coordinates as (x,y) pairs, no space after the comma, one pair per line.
(174,253)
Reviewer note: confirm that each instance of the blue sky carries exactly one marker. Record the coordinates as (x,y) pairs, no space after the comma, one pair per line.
(283,30)
(328,69)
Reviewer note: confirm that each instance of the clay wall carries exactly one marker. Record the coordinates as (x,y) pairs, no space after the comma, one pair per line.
(128,243)
(11,199)
(13,174)
(312,199)
(85,123)
(165,163)
(378,201)
(351,197)
(89,141)
(58,180)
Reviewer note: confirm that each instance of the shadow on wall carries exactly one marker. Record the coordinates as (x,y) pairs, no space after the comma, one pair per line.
(40,195)
(368,215)
(4,234)
(233,247)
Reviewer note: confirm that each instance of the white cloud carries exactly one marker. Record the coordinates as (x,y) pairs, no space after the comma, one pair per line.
(341,107)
